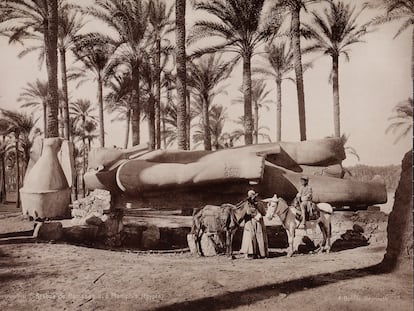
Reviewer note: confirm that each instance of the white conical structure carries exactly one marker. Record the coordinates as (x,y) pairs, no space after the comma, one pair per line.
(46,193)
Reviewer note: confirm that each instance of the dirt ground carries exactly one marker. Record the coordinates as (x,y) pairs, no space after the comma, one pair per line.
(66,277)
(46,276)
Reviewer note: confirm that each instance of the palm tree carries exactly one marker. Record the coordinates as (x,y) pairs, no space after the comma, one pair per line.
(397,10)
(259,95)
(181,78)
(280,57)
(51,65)
(279,64)
(148,98)
(90,132)
(168,83)
(160,21)
(76,134)
(217,116)
(294,8)
(70,23)
(82,111)
(129,20)
(333,33)
(28,18)
(95,53)
(35,95)
(402,120)
(83,116)
(238,133)
(240,32)
(206,74)
(169,121)
(3,152)
(119,100)
(22,126)
(35,47)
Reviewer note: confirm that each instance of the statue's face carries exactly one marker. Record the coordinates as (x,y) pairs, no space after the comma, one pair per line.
(303,182)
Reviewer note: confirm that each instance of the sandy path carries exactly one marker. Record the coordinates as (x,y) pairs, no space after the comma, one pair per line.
(59,276)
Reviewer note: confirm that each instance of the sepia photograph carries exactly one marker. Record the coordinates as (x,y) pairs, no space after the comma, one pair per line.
(200,155)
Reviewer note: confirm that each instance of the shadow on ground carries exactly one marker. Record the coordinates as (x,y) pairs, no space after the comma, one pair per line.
(250,295)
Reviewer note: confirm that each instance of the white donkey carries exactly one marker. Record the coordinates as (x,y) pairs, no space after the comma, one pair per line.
(290,218)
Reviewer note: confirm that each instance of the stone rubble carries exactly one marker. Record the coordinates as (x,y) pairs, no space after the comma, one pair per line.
(95,218)
(97,203)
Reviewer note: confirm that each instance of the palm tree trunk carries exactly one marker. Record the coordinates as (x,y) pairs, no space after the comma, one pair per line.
(3,181)
(247,94)
(412,59)
(256,122)
(50,37)
(188,128)
(162,112)
(151,123)
(3,189)
(84,155)
(298,70)
(45,119)
(61,125)
(16,136)
(63,70)
(75,185)
(84,166)
(158,94)
(181,74)
(2,194)
(101,112)
(279,110)
(335,88)
(164,137)
(128,122)
(216,145)
(83,184)
(136,109)
(206,123)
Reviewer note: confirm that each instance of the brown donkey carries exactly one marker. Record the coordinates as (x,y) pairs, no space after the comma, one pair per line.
(212,218)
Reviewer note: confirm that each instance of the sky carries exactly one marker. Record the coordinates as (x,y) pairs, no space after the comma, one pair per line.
(377,77)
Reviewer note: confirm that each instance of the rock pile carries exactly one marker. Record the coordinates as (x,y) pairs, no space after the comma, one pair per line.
(366,226)
(350,239)
(95,221)
(97,203)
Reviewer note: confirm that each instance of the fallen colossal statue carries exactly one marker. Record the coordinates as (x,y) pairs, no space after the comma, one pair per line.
(179,179)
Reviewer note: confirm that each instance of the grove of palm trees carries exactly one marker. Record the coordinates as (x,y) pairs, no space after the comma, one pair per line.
(208,75)
(125,47)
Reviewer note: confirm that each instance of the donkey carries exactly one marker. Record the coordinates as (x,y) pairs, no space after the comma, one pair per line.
(289,217)
(212,218)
